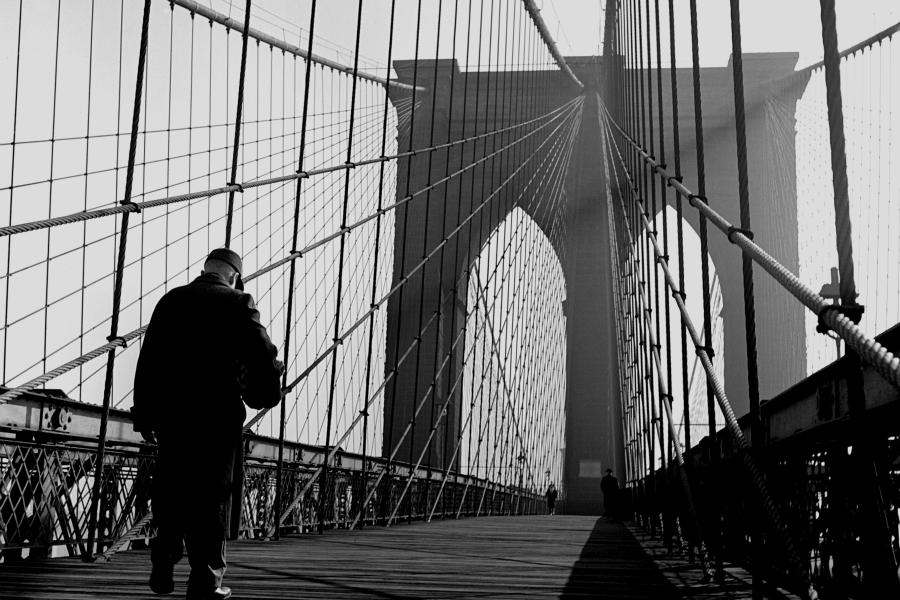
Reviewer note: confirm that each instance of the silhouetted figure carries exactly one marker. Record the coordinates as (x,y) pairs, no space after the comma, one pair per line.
(204,355)
(609,485)
(551,495)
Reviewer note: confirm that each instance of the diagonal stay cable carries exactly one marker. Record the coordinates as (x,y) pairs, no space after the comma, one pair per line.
(195,7)
(663,382)
(122,341)
(364,318)
(560,160)
(243,186)
(769,505)
(880,358)
(556,194)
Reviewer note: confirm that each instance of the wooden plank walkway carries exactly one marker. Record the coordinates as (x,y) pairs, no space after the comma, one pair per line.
(494,557)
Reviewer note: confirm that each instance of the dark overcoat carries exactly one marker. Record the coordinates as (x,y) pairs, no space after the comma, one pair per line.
(204,355)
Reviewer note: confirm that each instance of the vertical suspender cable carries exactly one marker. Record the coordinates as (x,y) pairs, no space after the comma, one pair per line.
(292,274)
(737,69)
(324,491)
(879,561)
(237,124)
(117,290)
(373,298)
(439,298)
(670,448)
(676,148)
(712,536)
(424,273)
(389,478)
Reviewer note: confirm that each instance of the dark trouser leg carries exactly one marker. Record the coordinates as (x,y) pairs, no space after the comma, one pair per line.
(167,548)
(205,541)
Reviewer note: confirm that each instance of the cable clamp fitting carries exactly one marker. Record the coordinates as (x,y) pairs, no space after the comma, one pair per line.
(239,187)
(672,178)
(659,167)
(350,164)
(301,174)
(732,230)
(112,339)
(131,204)
(854,312)
(666,395)
(679,294)
(662,257)
(693,197)
(707,349)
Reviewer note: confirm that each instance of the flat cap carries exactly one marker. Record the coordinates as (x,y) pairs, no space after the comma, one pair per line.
(229,256)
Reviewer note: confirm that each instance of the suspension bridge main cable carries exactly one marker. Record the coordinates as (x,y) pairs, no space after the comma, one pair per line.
(773,511)
(880,358)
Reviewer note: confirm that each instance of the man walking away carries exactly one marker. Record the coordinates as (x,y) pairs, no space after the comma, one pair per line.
(204,354)
(609,485)
(551,495)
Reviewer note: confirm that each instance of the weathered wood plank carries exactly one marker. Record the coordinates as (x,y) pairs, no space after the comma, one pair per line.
(495,557)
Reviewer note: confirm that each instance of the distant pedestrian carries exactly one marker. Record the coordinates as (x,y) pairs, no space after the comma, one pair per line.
(609,485)
(204,355)
(551,495)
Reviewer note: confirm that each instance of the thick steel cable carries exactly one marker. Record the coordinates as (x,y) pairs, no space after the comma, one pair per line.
(456,450)
(323,481)
(701,187)
(237,123)
(878,559)
(664,393)
(424,274)
(368,374)
(880,358)
(439,299)
(453,292)
(117,288)
(535,14)
(421,403)
(293,268)
(676,146)
(773,511)
(737,69)
(490,216)
(245,185)
(838,155)
(663,207)
(21,389)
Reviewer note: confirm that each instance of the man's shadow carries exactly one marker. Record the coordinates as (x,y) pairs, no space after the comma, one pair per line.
(613,565)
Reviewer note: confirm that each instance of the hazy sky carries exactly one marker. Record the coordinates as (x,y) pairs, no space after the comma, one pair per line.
(767,25)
